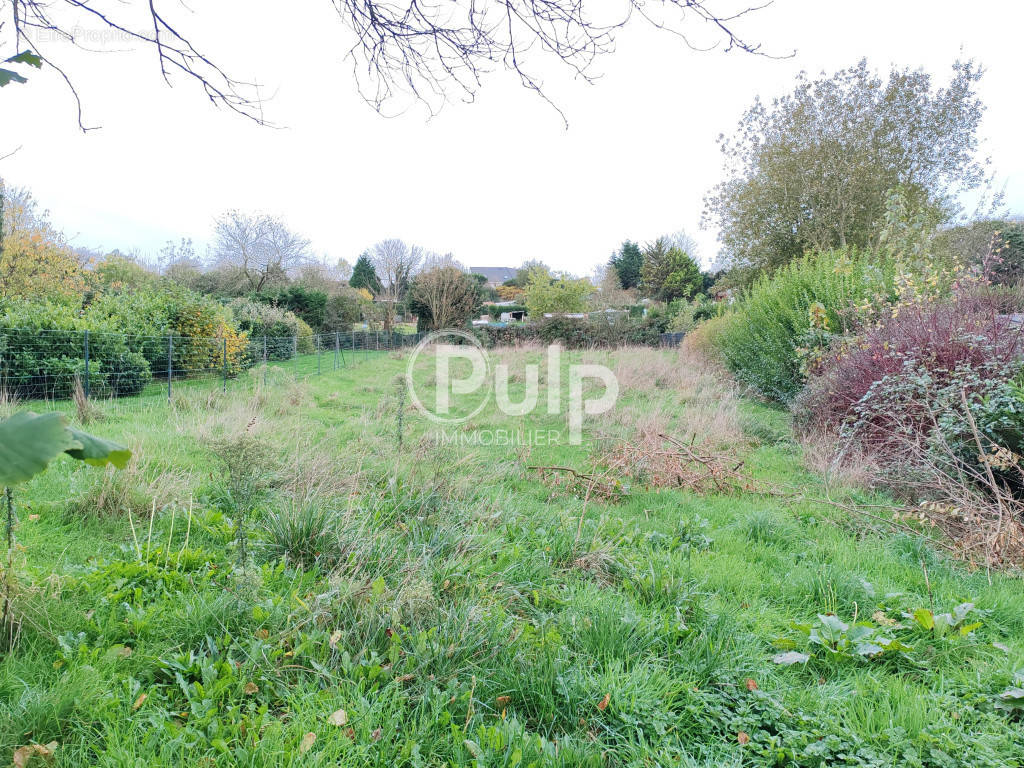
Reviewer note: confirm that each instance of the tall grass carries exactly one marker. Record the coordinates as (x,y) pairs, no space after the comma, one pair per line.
(759,341)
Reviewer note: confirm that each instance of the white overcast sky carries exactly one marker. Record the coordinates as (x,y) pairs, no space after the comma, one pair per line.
(495,182)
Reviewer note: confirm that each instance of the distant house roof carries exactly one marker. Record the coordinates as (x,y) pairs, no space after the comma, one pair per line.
(495,275)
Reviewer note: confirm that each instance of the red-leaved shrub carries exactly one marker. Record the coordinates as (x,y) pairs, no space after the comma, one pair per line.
(966,341)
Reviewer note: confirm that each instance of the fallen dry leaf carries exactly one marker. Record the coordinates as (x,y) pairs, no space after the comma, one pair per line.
(251,688)
(751,684)
(307,743)
(263,634)
(879,617)
(503,700)
(742,737)
(338,717)
(23,754)
(139,701)
(33,518)
(603,704)
(335,637)
(376,734)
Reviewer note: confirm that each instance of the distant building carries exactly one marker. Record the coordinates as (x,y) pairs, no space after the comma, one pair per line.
(495,275)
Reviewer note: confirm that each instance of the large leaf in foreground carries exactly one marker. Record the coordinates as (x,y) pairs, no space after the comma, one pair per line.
(97,451)
(28,442)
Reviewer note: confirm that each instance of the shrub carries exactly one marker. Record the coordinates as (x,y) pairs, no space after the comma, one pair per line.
(686,315)
(42,349)
(209,338)
(576,333)
(128,374)
(306,303)
(761,341)
(285,332)
(342,311)
(898,390)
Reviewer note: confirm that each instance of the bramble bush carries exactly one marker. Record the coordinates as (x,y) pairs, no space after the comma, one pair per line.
(898,389)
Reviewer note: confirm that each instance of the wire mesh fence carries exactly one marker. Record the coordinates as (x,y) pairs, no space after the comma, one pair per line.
(48,364)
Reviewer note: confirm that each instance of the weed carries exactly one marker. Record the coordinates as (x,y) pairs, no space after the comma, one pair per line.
(306,534)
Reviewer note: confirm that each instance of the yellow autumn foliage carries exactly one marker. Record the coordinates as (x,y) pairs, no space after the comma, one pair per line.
(35,260)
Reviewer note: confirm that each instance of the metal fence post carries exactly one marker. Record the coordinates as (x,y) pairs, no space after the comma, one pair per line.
(85,345)
(337,348)
(264,360)
(353,347)
(316,338)
(170,362)
(224,359)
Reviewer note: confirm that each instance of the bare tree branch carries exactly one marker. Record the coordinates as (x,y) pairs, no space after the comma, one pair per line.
(430,50)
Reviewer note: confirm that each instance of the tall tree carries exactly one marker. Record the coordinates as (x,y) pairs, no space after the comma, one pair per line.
(669,273)
(443,297)
(36,260)
(261,248)
(363,274)
(814,169)
(546,293)
(394,262)
(628,262)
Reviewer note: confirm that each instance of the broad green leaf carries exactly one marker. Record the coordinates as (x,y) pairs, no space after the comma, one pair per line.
(868,649)
(834,626)
(943,623)
(27,57)
(860,632)
(961,611)
(966,629)
(791,657)
(97,451)
(10,76)
(29,442)
(924,618)
(1011,698)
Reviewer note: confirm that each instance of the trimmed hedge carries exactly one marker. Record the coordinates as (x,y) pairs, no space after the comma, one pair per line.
(575,333)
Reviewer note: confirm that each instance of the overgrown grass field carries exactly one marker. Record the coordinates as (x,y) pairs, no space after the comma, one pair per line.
(309,572)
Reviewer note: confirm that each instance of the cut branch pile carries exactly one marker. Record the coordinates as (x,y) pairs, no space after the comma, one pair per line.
(660,461)
(584,484)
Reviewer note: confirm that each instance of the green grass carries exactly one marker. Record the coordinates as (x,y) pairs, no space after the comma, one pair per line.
(459,609)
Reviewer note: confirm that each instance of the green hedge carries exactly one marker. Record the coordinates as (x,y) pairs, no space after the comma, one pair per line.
(762,338)
(43,350)
(575,333)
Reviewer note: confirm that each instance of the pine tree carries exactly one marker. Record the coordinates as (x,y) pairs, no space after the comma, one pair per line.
(669,273)
(628,263)
(364,275)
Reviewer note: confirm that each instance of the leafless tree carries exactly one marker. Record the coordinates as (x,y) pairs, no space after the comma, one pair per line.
(322,275)
(262,248)
(395,263)
(447,296)
(425,48)
(434,260)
